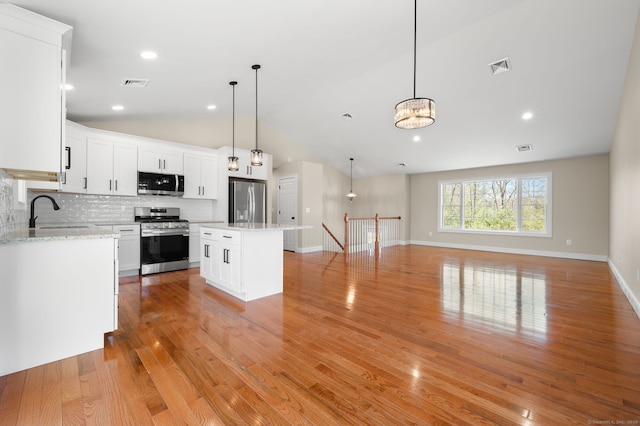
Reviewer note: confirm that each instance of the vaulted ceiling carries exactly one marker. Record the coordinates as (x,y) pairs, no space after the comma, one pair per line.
(322,59)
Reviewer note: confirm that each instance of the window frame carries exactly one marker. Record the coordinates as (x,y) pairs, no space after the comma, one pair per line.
(518,232)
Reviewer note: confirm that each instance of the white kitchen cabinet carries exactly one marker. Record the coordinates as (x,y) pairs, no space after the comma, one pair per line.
(194,244)
(245,169)
(58,298)
(111,167)
(200,176)
(157,159)
(32,101)
(128,249)
(246,264)
(74,171)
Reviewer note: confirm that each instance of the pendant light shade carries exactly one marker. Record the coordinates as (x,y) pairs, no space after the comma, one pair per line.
(256,154)
(415,113)
(351,195)
(233,160)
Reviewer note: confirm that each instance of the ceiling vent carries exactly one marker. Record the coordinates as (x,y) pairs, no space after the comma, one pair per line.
(524,148)
(498,67)
(134,82)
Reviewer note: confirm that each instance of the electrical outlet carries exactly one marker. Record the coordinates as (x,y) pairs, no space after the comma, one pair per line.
(569,242)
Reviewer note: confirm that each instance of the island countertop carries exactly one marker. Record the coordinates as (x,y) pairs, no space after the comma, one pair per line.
(255,227)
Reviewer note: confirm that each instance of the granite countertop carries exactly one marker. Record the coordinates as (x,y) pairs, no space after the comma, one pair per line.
(258,227)
(56,232)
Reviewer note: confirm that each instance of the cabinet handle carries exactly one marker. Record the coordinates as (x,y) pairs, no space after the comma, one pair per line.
(206,250)
(203,190)
(164,164)
(159,163)
(126,230)
(85,183)
(68,165)
(63,178)
(207,233)
(227,236)
(116,184)
(109,184)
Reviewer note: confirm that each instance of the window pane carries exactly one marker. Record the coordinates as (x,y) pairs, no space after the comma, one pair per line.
(451,206)
(534,204)
(491,205)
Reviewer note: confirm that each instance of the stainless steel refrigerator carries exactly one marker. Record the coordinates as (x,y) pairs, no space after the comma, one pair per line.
(247,201)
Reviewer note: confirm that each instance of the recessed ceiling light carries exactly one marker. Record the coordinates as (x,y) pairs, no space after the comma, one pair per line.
(211,107)
(147,54)
(117,107)
(416,138)
(527,115)
(346,115)
(68,87)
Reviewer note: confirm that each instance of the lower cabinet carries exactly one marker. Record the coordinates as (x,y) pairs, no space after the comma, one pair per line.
(221,258)
(128,248)
(245,264)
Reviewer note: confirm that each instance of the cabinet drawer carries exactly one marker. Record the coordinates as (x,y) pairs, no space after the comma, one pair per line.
(229,237)
(127,230)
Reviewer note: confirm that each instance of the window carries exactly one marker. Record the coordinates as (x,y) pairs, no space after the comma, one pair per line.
(519,205)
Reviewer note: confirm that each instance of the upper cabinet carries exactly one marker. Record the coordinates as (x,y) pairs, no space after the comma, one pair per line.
(245,169)
(111,167)
(74,161)
(200,176)
(157,159)
(32,48)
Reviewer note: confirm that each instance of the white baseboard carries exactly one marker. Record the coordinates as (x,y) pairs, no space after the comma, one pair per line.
(566,255)
(308,249)
(633,300)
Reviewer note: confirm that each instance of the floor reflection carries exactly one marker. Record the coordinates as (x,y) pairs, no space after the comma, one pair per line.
(501,297)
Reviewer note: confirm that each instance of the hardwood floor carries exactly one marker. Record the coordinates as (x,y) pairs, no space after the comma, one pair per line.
(419,335)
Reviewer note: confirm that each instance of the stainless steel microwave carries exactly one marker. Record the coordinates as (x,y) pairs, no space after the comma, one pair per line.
(159,184)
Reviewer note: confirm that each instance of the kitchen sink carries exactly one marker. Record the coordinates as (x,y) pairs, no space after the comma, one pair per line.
(64,227)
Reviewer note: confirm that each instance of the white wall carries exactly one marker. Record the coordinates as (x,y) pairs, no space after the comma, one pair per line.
(624,226)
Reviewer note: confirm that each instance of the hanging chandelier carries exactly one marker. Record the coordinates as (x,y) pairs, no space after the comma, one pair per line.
(415,113)
(233,160)
(351,195)
(256,154)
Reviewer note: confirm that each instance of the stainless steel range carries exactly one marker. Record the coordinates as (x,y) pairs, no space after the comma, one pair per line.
(164,239)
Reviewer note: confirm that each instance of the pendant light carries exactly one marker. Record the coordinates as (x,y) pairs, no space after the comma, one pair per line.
(233,160)
(351,195)
(415,113)
(256,154)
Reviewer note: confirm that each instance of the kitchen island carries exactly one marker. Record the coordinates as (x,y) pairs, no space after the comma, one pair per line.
(58,294)
(244,260)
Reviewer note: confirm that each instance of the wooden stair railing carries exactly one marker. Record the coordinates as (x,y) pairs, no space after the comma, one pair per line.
(332,236)
(376,219)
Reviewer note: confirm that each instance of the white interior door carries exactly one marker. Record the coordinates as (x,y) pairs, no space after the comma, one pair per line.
(288,209)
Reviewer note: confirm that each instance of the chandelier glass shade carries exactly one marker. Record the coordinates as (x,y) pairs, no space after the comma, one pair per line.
(415,113)
(256,154)
(233,160)
(351,195)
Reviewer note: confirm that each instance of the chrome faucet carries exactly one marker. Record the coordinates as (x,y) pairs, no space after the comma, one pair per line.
(32,220)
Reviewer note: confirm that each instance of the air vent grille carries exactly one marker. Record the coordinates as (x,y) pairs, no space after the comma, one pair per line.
(524,148)
(134,82)
(498,67)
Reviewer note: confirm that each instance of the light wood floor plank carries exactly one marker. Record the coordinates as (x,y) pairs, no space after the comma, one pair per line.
(416,335)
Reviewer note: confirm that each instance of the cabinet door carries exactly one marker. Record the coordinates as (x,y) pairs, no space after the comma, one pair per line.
(31,101)
(74,160)
(125,173)
(149,159)
(99,166)
(172,162)
(209,177)
(192,186)
(208,268)
(128,247)
(230,266)
(194,243)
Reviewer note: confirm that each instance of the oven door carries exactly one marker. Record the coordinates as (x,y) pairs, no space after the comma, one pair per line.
(162,251)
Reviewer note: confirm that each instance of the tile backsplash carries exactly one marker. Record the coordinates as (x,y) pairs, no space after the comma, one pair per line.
(13,214)
(96,208)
